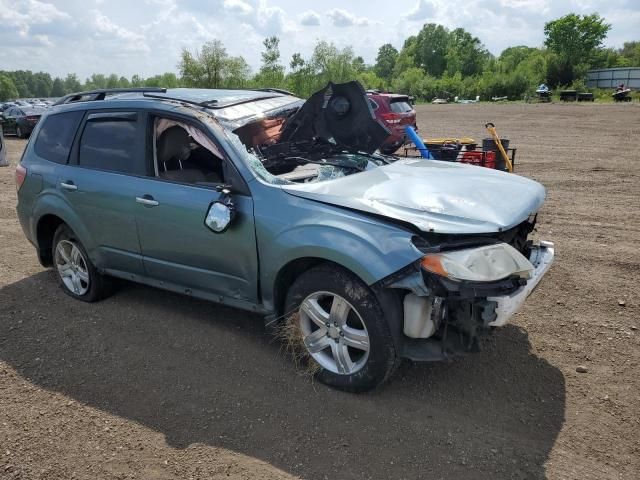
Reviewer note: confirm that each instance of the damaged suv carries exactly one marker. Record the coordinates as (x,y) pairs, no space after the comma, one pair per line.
(265,202)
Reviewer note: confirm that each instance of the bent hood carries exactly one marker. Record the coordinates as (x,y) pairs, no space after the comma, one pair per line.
(434,196)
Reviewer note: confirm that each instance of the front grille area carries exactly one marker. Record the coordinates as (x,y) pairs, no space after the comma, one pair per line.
(517,237)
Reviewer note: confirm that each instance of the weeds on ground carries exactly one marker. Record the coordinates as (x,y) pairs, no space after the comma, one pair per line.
(289,334)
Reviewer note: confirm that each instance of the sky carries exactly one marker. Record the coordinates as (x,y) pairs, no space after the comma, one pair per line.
(145,37)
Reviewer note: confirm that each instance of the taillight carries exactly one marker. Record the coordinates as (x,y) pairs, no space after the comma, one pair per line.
(21,174)
(391,118)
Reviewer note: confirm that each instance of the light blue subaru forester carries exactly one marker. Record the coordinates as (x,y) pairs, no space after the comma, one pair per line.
(262,201)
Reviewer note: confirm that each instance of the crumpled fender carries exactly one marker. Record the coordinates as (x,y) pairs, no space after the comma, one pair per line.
(369,248)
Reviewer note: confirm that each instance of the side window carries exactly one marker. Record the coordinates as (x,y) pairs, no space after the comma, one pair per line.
(374,105)
(109,142)
(56,136)
(184,153)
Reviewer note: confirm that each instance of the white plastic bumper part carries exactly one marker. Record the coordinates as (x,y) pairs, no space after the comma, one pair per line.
(541,257)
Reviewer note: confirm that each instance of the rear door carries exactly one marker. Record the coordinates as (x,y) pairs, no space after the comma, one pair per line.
(101,182)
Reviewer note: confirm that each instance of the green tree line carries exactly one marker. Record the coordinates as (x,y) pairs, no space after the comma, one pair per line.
(437,61)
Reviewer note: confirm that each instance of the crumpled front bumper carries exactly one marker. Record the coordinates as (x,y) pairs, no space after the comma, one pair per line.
(541,257)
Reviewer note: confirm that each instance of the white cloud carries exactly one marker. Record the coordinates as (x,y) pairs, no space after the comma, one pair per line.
(24,15)
(422,11)
(342,18)
(270,20)
(117,36)
(238,6)
(145,37)
(310,18)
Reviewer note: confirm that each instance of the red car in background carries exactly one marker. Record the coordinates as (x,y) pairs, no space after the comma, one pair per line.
(395,112)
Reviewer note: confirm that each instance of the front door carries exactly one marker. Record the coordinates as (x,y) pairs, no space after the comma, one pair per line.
(177,247)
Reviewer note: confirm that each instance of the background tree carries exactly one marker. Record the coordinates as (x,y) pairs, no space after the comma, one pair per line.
(212,67)
(8,90)
(574,39)
(271,71)
(72,84)
(630,54)
(238,73)
(465,53)
(432,44)
(57,89)
(386,61)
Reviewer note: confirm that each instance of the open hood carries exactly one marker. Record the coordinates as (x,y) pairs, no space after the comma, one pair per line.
(340,115)
(434,196)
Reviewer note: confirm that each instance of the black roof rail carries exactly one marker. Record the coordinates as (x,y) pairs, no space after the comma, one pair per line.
(211,104)
(276,90)
(100,94)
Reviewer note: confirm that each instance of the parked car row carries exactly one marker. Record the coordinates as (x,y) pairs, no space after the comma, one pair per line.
(20,120)
(33,102)
(18,117)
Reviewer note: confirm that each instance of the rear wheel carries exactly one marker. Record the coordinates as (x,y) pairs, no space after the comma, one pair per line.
(341,330)
(74,271)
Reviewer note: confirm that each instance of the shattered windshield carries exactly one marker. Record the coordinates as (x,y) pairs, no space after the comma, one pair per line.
(294,170)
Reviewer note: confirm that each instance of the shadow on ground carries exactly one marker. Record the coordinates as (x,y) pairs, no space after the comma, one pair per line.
(199,372)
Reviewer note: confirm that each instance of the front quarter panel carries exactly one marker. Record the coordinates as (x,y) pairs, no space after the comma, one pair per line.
(289,228)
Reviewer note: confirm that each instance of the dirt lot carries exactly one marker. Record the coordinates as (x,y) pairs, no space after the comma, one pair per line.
(152,385)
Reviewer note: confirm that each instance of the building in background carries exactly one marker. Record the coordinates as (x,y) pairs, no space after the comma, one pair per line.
(612,77)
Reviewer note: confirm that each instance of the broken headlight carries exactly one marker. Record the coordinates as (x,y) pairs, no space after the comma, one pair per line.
(481,264)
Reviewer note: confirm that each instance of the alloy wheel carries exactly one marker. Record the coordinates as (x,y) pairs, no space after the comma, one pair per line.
(334,333)
(72,267)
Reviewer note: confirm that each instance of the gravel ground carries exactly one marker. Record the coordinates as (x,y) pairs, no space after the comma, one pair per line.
(148,384)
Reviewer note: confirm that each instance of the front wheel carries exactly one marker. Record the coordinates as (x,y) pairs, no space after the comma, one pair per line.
(340,329)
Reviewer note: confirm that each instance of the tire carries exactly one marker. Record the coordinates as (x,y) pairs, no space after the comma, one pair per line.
(19,133)
(342,331)
(81,281)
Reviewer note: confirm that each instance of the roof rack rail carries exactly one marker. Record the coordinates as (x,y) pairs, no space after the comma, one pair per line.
(276,90)
(211,104)
(100,94)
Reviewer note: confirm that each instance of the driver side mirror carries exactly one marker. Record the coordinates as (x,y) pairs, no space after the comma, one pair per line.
(220,215)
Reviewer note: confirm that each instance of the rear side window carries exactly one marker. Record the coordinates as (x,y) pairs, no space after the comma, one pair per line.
(374,105)
(109,144)
(400,106)
(56,136)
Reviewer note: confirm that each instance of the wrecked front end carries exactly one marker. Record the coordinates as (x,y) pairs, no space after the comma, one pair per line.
(463,288)
(470,226)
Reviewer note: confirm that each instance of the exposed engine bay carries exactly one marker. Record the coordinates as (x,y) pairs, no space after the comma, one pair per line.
(333,134)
